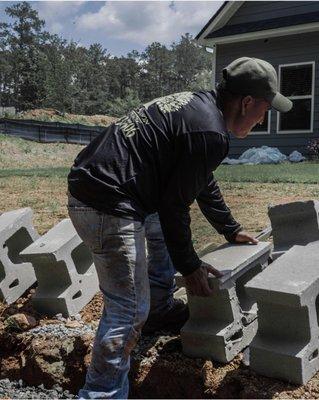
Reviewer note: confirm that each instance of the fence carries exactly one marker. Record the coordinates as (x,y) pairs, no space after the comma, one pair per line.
(49,132)
(83,134)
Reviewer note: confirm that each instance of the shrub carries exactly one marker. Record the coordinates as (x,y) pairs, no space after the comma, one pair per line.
(313,148)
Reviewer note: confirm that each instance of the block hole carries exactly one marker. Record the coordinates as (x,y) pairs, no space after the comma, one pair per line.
(82,258)
(77,295)
(313,355)
(14,283)
(246,303)
(244,321)
(16,243)
(236,336)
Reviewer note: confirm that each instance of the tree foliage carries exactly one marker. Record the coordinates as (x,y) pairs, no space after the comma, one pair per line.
(38,69)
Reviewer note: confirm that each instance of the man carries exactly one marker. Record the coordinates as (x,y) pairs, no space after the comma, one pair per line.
(159,159)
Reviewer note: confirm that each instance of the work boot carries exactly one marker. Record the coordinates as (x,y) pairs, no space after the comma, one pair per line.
(171,320)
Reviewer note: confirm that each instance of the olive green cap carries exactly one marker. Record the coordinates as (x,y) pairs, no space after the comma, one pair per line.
(257,78)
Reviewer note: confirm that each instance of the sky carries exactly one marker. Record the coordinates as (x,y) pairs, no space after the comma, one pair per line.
(122,26)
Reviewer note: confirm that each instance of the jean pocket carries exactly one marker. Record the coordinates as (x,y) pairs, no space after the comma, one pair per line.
(88,223)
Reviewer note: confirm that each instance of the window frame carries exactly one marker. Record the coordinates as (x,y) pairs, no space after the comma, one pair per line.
(311,96)
(263,132)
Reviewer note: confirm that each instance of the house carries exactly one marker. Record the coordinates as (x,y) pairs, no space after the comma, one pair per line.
(286,34)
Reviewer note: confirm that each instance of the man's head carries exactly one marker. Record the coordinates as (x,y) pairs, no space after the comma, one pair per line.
(248,89)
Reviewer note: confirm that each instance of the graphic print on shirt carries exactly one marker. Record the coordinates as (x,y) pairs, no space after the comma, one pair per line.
(170,103)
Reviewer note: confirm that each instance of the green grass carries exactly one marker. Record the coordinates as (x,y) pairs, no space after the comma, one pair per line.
(306,172)
(60,172)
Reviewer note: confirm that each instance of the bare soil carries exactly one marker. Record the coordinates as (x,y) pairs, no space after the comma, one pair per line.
(159,369)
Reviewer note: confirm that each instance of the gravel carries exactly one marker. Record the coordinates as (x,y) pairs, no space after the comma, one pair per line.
(18,390)
(61,331)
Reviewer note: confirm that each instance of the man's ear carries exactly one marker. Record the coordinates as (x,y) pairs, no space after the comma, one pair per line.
(245,103)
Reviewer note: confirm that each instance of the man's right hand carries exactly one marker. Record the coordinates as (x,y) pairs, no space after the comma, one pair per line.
(197,281)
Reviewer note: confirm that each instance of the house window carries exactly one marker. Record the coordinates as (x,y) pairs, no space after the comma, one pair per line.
(264,127)
(297,83)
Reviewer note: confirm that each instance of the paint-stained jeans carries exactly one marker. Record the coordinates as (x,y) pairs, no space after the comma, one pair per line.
(130,282)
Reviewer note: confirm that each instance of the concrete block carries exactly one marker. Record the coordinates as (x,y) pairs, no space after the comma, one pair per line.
(67,278)
(264,234)
(221,325)
(292,224)
(287,293)
(16,233)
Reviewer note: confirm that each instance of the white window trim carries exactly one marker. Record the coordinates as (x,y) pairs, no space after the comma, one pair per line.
(312,97)
(263,132)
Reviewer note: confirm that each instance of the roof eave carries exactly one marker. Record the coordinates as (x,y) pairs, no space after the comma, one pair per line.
(291,30)
(219,19)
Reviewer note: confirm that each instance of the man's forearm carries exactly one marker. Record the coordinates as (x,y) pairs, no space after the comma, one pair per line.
(177,234)
(214,208)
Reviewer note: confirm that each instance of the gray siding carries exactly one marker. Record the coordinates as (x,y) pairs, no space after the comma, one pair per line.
(281,50)
(262,10)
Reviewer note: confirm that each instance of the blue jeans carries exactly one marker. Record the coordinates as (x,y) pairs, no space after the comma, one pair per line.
(132,284)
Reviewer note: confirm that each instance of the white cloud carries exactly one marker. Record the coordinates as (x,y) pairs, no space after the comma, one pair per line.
(56,27)
(56,12)
(146,21)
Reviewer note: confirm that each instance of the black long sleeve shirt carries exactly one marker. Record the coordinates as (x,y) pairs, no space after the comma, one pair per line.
(160,158)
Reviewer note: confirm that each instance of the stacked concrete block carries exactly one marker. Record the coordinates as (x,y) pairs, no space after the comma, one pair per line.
(67,278)
(16,233)
(223,324)
(292,224)
(287,293)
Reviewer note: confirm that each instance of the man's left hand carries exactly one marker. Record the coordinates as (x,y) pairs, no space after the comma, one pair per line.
(245,237)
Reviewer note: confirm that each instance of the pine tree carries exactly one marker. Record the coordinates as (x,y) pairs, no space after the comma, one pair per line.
(25,36)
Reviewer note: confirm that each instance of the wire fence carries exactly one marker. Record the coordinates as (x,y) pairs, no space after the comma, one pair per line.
(49,132)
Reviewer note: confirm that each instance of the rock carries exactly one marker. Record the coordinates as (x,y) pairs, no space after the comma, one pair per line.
(73,324)
(51,322)
(20,322)
(59,317)
(77,317)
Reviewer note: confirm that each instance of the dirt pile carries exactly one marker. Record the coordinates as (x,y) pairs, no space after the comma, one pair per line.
(45,360)
(52,115)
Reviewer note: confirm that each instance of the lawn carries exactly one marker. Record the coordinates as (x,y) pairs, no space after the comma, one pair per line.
(306,172)
(34,175)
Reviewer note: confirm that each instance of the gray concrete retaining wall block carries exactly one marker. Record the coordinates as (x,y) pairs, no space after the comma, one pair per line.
(221,325)
(67,278)
(287,293)
(16,233)
(292,224)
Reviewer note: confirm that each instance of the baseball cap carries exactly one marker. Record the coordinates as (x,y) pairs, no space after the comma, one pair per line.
(257,78)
